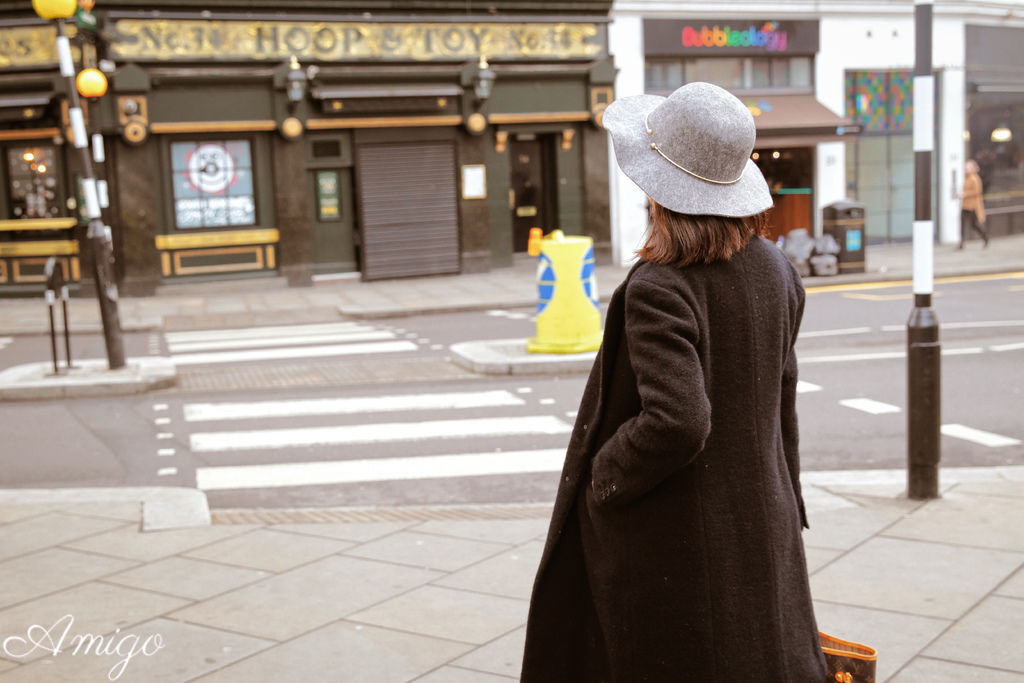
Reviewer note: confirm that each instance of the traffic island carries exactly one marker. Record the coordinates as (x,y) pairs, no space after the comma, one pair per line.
(510,357)
(86,379)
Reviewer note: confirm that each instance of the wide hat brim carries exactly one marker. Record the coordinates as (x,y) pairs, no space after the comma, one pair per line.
(666,184)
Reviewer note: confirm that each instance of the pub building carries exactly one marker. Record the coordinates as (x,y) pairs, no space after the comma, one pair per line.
(329,140)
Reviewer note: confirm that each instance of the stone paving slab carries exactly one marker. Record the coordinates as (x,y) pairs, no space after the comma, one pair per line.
(447,613)
(431,551)
(989,635)
(286,605)
(982,521)
(502,656)
(95,608)
(269,550)
(187,578)
(345,652)
(31,576)
(914,577)
(943,671)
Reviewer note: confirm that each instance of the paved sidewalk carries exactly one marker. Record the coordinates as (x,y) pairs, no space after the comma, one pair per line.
(243,303)
(441,594)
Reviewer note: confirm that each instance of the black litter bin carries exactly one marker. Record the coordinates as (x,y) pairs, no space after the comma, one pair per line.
(844,220)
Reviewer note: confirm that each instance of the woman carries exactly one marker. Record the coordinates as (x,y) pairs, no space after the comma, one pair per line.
(972,207)
(674,552)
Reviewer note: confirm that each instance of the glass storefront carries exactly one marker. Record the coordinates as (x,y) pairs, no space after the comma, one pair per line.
(32,185)
(880,162)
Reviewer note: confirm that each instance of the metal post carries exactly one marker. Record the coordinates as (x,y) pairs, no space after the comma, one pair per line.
(67,330)
(99,245)
(53,330)
(923,348)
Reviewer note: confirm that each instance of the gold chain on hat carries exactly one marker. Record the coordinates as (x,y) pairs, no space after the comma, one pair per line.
(654,146)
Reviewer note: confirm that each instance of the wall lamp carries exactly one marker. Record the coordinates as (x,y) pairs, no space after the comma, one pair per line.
(295,86)
(483,80)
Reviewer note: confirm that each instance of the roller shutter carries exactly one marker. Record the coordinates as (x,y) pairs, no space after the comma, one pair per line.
(408,207)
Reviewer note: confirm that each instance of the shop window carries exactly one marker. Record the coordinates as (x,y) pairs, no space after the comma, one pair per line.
(733,73)
(32,182)
(212,184)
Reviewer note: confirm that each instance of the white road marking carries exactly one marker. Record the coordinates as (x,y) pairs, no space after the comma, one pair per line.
(973,324)
(376,433)
(167,471)
(883,355)
(948,476)
(851,357)
(1007,347)
(834,333)
(268,331)
(497,313)
(198,412)
(162,421)
(803,387)
(571,413)
(378,469)
(436,347)
(547,401)
(524,390)
(4,341)
(165,452)
(869,406)
(959,431)
(160,406)
(304,340)
(164,436)
(517,316)
(292,352)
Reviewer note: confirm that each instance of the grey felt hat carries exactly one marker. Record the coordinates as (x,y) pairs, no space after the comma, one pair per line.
(690,151)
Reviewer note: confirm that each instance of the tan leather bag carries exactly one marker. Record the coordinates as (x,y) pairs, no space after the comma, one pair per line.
(848,662)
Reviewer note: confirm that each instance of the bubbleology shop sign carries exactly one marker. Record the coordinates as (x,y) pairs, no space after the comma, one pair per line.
(730,37)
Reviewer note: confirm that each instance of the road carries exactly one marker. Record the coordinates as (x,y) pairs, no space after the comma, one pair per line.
(370,413)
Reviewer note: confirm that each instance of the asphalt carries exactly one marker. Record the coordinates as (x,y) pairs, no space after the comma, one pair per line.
(178,592)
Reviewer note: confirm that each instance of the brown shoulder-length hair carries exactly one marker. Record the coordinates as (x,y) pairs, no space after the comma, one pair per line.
(682,239)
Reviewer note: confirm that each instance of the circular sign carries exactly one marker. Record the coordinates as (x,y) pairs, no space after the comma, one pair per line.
(210,168)
(135,132)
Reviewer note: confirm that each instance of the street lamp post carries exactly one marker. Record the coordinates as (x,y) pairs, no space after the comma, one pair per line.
(99,241)
(924,361)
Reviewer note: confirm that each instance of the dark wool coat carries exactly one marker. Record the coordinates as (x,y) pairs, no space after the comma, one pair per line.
(687,562)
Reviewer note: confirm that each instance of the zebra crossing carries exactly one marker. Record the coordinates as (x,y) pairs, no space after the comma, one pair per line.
(283,342)
(384,438)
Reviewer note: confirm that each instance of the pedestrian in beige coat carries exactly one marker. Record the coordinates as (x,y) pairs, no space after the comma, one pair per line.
(972,207)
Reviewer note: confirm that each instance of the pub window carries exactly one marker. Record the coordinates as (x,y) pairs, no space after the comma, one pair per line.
(213,184)
(32,182)
(663,75)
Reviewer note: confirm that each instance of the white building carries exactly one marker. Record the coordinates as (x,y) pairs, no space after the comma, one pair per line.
(829,83)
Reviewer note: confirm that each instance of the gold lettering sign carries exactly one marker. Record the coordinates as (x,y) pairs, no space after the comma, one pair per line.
(31,45)
(338,41)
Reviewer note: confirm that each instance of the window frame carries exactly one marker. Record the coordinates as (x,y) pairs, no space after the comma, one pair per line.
(262,187)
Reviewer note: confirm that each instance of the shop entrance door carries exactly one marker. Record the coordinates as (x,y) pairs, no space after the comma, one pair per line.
(531,195)
(334,249)
(882,168)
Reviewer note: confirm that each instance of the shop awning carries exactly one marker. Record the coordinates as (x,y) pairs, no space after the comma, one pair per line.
(796,121)
(376,100)
(372,91)
(24,106)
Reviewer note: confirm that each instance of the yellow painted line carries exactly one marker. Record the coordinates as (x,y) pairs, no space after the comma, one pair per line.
(904,283)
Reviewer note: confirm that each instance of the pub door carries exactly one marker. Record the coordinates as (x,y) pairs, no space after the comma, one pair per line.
(532,191)
(334,248)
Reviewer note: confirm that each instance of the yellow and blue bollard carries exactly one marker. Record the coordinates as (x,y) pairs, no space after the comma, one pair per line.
(568,312)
